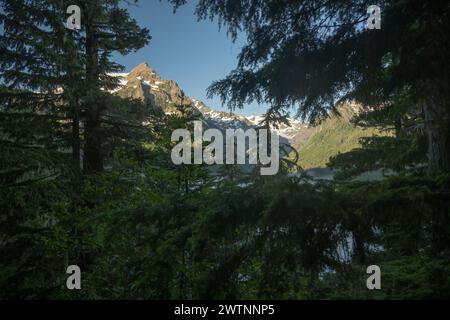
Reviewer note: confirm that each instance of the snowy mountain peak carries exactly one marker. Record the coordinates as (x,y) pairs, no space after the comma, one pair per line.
(142,82)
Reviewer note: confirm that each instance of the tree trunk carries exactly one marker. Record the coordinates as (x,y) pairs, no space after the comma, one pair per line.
(436,127)
(398,127)
(76,142)
(93,158)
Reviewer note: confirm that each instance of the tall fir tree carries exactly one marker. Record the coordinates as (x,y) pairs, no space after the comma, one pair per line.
(108,28)
(54,86)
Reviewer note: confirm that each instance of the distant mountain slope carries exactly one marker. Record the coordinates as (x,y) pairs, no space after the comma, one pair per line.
(333,136)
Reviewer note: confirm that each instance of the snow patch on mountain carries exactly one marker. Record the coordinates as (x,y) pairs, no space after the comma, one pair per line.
(151,86)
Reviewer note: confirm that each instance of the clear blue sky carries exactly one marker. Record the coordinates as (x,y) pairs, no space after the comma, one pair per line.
(182,49)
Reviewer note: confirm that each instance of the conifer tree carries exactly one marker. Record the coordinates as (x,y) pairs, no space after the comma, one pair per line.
(311,54)
(107,28)
(39,79)
(37,63)
(53,96)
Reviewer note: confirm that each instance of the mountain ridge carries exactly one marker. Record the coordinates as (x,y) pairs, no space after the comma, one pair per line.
(143,83)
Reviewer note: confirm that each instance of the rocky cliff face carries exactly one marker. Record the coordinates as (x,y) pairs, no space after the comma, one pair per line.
(145,84)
